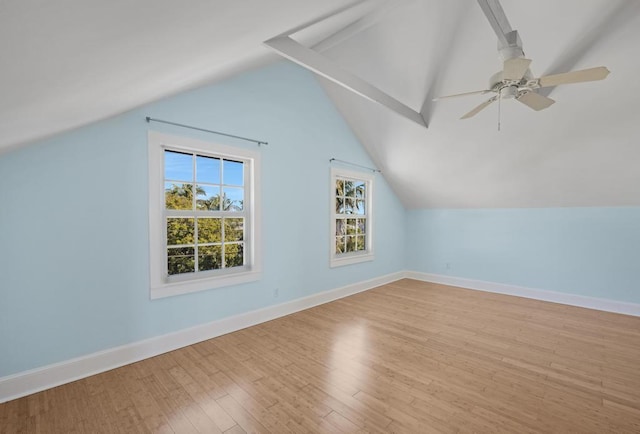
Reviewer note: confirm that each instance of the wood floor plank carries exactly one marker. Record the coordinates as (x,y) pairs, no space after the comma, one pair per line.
(240,415)
(340,423)
(407,357)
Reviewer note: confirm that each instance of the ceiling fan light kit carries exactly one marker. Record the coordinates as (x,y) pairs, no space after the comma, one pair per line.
(515,80)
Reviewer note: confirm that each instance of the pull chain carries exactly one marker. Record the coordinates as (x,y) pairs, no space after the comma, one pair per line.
(499,106)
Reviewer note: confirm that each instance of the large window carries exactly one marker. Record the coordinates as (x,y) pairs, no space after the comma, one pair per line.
(351,217)
(203,207)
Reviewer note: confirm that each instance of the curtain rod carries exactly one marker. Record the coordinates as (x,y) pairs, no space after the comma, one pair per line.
(354,164)
(259,142)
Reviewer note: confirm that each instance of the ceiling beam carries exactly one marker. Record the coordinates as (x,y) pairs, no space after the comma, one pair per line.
(321,65)
(498,20)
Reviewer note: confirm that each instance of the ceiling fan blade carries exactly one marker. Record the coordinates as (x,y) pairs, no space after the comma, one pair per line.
(516,68)
(475,92)
(582,75)
(478,109)
(535,100)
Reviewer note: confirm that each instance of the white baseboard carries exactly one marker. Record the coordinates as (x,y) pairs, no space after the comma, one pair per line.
(537,294)
(36,380)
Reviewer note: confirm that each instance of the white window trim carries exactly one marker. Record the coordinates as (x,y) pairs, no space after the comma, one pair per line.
(336,260)
(159,285)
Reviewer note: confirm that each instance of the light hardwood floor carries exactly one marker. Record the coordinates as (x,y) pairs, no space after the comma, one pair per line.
(405,357)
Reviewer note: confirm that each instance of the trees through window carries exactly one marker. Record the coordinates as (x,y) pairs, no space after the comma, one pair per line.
(203,215)
(351,217)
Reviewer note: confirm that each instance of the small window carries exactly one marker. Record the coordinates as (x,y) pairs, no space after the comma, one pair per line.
(351,218)
(203,207)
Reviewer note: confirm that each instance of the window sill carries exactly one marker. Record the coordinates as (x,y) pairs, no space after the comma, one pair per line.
(350,259)
(170,289)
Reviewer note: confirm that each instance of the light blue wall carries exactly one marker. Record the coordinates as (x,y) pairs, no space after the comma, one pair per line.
(74,243)
(73,219)
(586,251)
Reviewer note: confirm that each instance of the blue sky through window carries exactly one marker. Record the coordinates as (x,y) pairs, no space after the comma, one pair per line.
(208,169)
(234,194)
(178,166)
(233,173)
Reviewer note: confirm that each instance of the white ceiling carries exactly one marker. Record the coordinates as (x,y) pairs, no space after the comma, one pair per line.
(70,62)
(66,63)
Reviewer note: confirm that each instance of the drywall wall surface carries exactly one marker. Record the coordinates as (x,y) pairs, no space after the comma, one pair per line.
(74,267)
(593,252)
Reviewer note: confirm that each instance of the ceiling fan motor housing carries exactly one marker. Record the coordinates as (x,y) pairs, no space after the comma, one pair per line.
(510,88)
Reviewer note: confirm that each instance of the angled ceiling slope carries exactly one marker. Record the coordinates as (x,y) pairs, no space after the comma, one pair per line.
(578,153)
(68,63)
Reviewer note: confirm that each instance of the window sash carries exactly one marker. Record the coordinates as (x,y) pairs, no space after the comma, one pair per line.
(195,213)
(197,244)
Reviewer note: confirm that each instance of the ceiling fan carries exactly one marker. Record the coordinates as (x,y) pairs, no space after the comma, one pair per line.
(516,81)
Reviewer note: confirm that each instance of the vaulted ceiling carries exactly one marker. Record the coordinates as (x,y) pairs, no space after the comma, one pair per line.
(71,62)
